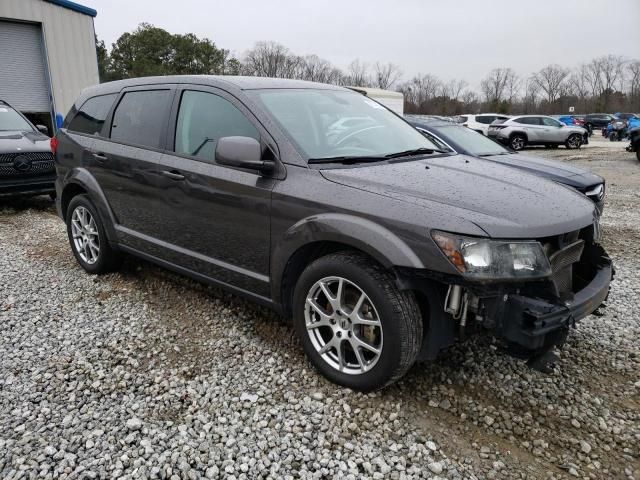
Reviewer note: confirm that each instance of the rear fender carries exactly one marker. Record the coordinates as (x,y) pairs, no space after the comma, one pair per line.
(82,178)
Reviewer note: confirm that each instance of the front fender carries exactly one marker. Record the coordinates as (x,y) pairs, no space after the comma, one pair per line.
(356,232)
(82,178)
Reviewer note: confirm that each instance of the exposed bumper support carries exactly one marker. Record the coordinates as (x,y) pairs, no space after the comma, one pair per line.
(534,324)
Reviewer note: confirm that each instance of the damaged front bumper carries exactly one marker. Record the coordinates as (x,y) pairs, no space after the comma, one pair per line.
(526,316)
(536,323)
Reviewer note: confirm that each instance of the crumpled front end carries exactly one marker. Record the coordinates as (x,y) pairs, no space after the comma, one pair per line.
(529,317)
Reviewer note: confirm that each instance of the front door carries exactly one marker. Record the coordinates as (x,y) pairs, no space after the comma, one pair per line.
(553,130)
(216,219)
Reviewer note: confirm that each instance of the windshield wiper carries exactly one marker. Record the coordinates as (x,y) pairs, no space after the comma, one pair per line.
(493,154)
(415,151)
(347,159)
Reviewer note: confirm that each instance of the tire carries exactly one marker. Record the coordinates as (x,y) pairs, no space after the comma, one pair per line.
(574,141)
(612,137)
(517,142)
(589,128)
(82,218)
(394,326)
(638,153)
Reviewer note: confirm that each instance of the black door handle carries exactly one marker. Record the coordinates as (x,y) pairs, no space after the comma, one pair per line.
(100,157)
(173,174)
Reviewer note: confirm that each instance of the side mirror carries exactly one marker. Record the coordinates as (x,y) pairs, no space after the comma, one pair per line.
(242,152)
(43,129)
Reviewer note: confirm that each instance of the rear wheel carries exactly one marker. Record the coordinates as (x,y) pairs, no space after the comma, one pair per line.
(517,142)
(87,237)
(355,326)
(574,141)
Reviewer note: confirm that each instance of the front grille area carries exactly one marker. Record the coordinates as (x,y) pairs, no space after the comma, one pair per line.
(562,262)
(27,164)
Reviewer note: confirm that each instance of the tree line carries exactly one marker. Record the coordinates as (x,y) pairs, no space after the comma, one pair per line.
(605,84)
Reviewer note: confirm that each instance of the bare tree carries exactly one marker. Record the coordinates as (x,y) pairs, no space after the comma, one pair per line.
(551,80)
(385,75)
(358,74)
(531,94)
(633,69)
(499,85)
(316,69)
(270,59)
(420,91)
(454,88)
(578,82)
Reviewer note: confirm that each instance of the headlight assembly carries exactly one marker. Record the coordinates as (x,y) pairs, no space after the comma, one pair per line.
(486,259)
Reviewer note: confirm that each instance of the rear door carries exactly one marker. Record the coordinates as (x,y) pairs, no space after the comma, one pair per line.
(216,219)
(125,159)
(78,134)
(485,121)
(531,126)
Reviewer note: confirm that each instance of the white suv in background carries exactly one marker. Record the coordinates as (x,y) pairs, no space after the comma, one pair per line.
(480,123)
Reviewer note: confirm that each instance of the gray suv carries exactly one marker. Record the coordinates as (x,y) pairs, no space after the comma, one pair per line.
(381,249)
(523,130)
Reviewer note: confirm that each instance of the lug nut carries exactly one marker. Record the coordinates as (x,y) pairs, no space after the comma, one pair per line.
(339,334)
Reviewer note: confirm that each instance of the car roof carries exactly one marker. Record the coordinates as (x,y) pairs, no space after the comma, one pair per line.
(227,82)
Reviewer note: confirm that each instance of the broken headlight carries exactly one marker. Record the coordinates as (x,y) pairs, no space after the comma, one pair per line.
(483,258)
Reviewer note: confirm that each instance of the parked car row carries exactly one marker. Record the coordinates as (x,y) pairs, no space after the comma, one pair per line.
(455,138)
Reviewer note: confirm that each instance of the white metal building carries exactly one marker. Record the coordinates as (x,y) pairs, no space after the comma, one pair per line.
(47,56)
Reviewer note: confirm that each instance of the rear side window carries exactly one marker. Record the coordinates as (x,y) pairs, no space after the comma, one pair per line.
(91,116)
(486,119)
(140,118)
(204,118)
(528,120)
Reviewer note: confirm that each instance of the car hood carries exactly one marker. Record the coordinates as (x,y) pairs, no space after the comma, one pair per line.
(556,171)
(16,141)
(502,201)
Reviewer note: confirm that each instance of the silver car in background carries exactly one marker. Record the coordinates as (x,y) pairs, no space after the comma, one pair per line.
(523,130)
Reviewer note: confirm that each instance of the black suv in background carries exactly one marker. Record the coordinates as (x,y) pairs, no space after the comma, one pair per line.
(26,161)
(596,120)
(382,249)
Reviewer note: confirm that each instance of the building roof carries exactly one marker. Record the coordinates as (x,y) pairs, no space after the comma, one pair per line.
(76,7)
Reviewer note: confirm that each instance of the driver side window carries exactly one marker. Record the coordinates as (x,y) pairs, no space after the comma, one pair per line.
(550,122)
(203,119)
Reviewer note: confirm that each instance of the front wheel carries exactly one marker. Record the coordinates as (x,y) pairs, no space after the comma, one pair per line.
(87,237)
(574,141)
(517,142)
(355,326)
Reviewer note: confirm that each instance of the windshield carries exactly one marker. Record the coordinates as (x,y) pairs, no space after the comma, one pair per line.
(330,123)
(473,142)
(12,120)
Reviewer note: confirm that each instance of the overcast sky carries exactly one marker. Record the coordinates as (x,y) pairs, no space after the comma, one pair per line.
(448,38)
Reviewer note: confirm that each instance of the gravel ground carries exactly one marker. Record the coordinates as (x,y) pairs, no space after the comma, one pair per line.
(145,374)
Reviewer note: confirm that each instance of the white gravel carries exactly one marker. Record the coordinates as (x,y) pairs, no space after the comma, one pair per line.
(145,374)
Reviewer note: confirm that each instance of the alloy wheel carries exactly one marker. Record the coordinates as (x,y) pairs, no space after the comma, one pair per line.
(86,239)
(575,141)
(517,143)
(343,325)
